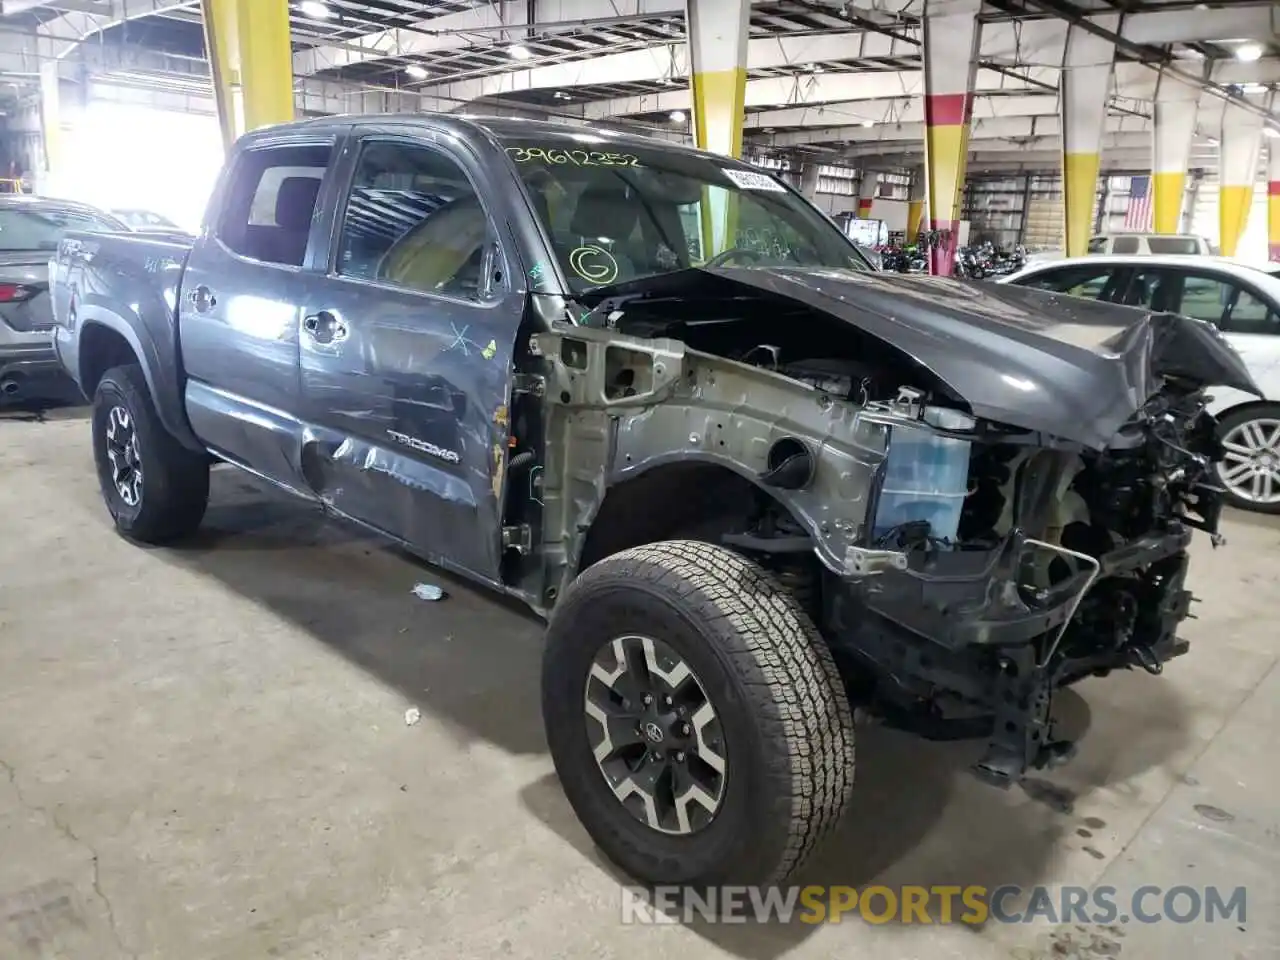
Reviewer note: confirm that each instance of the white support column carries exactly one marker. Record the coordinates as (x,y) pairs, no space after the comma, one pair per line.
(810,176)
(1176,107)
(1083,92)
(1237,173)
(50,128)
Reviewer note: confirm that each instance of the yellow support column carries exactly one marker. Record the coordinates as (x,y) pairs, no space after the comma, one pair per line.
(1082,100)
(718,76)
(1237,173)
(1176,107)
(1273,203)
(252,63)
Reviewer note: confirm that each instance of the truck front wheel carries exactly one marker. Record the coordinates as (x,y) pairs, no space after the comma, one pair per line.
(155,489)
(695,716)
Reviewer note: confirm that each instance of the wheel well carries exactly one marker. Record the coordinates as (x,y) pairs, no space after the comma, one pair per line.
(101,348)
(1249,405)
(698,501)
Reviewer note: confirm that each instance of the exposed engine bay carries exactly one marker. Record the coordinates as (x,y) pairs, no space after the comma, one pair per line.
(1001,562)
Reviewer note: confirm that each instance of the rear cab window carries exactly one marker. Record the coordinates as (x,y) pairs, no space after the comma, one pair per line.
(271,202)
(1126,245)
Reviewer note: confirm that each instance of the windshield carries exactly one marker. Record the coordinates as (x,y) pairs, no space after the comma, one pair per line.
(613,217)
(41,229)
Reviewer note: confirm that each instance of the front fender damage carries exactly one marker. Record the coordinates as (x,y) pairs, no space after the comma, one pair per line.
(619,406)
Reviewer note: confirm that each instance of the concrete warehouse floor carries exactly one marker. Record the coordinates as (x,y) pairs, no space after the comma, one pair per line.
(205,755)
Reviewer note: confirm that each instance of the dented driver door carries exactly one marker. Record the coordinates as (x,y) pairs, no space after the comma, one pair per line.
(406,354)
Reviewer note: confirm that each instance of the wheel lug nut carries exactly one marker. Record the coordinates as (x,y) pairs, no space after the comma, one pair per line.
(679,756)
(667,701)
(647,699)
(685,729)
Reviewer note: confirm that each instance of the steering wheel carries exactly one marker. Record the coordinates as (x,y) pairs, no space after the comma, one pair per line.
(725,255)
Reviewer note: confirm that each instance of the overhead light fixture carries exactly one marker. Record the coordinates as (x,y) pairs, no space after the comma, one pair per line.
(1253,88)
(416,71)
(868,123)
(1249,52)
(678,116)
(518,51)
(1271,132)
(315,10)
(561,95)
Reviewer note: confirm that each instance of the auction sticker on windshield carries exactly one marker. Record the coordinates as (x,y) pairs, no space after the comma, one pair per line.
(750,180)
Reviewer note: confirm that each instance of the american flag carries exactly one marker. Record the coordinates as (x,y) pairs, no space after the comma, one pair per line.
(1138,214)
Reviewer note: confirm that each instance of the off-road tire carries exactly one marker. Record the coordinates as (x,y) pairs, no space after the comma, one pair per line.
(175,480)
(1228,423)
(788,729)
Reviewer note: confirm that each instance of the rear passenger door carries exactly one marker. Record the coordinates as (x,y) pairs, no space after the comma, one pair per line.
(242,295)
(406,356)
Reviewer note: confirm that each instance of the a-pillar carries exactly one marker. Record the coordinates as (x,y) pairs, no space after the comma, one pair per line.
(50,128)
(1237,173)
(868,187)
(1273,202)
(252,63)
(951,38)
(1175,126)
(717,32)
(915,204)
(1082,100)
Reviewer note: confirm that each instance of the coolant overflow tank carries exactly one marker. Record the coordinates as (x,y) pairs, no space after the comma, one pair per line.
(926,476)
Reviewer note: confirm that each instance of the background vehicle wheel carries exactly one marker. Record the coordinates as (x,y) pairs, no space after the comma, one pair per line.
(695,716)
(155,489)
(1250,468)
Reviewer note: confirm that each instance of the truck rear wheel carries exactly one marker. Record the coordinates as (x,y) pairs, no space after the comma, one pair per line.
(155,489)
(695,716)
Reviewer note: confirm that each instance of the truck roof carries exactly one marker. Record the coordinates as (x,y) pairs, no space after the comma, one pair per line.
(471,124)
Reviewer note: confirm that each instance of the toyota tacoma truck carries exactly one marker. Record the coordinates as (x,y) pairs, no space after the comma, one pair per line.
(750,483)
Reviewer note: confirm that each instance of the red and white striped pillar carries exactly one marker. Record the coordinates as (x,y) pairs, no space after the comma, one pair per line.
(868,186)
(1175,126)
(1082,101)
(951,36)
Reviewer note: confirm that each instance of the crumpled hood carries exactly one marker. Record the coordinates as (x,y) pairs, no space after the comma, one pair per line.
(1074,368)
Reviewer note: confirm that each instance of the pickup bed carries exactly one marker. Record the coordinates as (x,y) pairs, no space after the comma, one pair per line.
(657,396)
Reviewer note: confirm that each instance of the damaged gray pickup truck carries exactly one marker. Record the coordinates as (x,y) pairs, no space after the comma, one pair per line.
(654,394)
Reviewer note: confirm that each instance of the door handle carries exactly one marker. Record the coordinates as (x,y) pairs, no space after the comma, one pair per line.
(202,299)
(325,327)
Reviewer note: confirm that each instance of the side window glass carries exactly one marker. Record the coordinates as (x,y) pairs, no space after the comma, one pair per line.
(271,202)
(1252,315)
(1125,245)
(1076,281)
(413,219)
(1098,245)
(1205,298)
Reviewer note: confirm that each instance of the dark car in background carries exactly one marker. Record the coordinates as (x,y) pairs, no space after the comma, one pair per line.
(30,228)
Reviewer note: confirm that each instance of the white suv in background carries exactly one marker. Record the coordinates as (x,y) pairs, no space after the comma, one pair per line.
(1243,302)
(1140,244)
